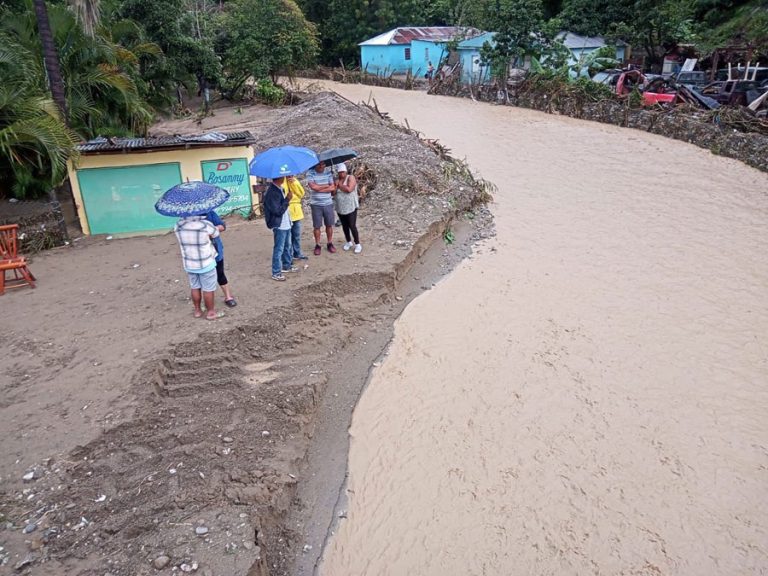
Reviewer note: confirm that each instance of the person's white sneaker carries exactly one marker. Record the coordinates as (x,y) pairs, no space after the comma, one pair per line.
(348,245)
(358,248)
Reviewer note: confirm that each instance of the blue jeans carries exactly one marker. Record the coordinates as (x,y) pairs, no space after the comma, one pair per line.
(296,239)
(281,253)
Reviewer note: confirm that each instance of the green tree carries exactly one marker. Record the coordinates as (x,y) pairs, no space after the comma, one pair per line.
(98,76)
(264,38)
(34,141)
(518,26)
(183,30)
(343,24)
(651,25)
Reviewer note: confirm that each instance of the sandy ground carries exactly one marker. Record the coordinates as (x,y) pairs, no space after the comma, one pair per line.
(141,424)
(588,395)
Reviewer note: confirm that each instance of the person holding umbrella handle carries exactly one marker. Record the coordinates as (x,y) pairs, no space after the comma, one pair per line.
(276,202)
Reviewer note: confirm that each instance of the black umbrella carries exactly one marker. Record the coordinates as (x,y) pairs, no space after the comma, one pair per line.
(336,155)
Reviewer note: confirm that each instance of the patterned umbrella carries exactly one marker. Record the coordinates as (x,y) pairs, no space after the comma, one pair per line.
(283,161)
(191,199)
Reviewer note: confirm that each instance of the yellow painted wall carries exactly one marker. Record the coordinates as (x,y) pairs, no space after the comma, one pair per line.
(189,162)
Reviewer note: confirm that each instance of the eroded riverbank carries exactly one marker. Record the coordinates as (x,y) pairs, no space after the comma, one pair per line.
(588,394)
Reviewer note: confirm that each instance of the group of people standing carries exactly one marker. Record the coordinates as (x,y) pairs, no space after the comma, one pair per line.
(329,195)
(202,250)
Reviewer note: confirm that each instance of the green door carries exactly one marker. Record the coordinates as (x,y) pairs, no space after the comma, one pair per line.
(232,175)
(123,199)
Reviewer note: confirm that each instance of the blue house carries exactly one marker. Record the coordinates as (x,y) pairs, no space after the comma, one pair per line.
(425,51)
(408,48)
(472,69)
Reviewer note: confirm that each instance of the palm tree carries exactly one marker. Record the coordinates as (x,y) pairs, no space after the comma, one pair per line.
(88,13)
(34,141)
(50,57)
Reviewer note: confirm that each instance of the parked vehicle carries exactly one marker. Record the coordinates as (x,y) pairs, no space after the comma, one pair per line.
(695,79)
(733,92)
(659,91)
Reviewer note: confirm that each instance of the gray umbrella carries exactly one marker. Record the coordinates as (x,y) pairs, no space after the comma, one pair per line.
(336,155)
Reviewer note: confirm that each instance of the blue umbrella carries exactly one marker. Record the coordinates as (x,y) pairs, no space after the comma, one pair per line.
(283,161)
(191,199)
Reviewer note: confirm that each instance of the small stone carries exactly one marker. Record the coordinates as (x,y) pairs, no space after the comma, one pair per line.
(26,561)
(29,528)
(248,545)
(228,439)
(265,433)
(188,567)
(29,476)
(201,530)
(307,548)
(161,562)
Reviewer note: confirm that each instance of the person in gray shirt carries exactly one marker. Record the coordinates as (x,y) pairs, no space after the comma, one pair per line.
(321,191)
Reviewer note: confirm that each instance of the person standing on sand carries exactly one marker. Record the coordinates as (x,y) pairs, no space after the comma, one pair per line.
(221,278)
(296,215)
(198,257)
(322,188)
(276,202)
(347,203)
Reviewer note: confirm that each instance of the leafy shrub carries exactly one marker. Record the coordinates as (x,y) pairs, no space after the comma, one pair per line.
(269,93)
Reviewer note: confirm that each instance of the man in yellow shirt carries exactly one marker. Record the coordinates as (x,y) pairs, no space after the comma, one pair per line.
(296,215)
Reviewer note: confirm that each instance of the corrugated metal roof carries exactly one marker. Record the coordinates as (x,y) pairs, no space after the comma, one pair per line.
(211,139)
(407,34)
(577,42)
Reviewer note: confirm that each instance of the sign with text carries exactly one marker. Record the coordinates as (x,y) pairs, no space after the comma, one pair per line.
(232,175)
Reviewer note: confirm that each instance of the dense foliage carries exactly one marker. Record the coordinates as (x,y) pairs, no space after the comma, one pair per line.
(75,69)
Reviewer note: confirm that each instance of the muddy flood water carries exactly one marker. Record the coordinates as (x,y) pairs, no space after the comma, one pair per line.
(588,394)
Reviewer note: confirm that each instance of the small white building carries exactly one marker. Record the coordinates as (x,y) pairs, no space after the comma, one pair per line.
(583,45)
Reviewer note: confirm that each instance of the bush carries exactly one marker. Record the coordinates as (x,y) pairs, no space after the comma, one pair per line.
(269,93)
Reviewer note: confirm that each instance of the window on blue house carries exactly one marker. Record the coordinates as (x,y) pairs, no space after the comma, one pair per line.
(407,53)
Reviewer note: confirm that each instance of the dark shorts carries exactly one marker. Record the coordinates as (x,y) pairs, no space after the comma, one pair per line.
(323,213)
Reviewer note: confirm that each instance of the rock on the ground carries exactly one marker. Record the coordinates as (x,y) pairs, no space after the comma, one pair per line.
(161,562)
(24,562)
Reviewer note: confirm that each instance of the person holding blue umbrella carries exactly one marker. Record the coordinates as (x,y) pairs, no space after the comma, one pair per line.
(277,164)
(191,201)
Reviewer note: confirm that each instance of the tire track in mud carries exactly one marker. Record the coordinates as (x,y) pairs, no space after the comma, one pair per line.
(217,445)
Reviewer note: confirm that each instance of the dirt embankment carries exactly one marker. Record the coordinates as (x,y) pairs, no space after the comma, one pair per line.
(138,440)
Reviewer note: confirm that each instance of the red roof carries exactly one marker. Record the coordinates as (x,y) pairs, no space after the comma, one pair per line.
(408,34)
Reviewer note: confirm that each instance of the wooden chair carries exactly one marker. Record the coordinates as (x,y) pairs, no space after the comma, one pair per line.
(11,262)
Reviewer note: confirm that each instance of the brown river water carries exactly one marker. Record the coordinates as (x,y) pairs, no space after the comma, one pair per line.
(588,394)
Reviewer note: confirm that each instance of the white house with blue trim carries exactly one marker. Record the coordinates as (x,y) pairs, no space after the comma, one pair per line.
(582,45)
(409,48)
